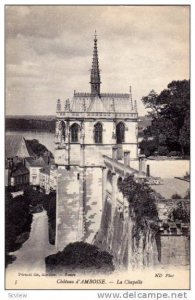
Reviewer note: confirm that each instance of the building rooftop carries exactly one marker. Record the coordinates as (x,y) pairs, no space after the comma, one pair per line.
(95,101)
(45,170)
(109,103)
(16,145)
(171,186)
(39,162)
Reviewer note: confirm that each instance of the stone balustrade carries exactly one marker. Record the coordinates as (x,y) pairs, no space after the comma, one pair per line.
(83,115)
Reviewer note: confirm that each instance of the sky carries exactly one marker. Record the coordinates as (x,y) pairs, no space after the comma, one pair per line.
(49,52)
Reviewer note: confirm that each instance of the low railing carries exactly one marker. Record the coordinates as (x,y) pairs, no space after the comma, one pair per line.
(118,167)
(114,95)
(111,115)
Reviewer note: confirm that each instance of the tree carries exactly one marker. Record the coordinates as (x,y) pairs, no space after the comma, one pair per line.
(141,201)
(184,136)
(153,103)
(170,112)
(17,221)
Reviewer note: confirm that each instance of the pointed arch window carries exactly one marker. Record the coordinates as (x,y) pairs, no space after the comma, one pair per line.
(120,133)
(75,133)
(61,131)
(98,133)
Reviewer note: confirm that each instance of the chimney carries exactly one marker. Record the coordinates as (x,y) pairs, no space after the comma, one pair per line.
(142,167)
(127,158)
(114,153)
(148,170)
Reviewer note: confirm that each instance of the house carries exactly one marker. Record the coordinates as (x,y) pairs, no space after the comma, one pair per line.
(16,150)
(34,166)
(17,176)
(45,179)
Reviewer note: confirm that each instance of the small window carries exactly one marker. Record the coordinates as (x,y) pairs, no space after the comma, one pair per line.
(74,133)
(98,133)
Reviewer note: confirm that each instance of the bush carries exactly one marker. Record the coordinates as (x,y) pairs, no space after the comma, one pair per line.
(174,153)
(38,148)
(147,147)
(179,213)
(33,197)
(141,201)
(81,257)
(163,150)
(18,220)
(49,205)
(187,195)
(176,196)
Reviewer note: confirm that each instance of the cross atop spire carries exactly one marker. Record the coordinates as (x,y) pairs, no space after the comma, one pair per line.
(95,35)
(95,72)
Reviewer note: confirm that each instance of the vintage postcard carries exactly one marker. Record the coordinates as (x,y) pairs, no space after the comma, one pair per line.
(97,147)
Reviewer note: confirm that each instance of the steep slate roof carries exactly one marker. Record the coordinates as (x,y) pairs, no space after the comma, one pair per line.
(106,103)
(39,162)
(16,145)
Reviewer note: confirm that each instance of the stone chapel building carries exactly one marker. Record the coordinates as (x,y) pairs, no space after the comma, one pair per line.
(89,126)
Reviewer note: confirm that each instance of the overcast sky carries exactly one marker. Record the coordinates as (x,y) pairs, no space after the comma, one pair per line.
(49,52)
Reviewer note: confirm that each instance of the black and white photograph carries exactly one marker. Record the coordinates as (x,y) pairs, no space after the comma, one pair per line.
(97,147)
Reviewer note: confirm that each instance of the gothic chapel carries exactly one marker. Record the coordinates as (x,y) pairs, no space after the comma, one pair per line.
(89,127)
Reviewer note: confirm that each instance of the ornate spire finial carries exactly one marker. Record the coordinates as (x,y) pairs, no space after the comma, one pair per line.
(95,72)
(135,106)
(58,105)
(131,98)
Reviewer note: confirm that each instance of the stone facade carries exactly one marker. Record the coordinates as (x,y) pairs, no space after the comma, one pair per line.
(87,127)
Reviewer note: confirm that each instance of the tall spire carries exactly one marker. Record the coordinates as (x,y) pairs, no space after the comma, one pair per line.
(95,72)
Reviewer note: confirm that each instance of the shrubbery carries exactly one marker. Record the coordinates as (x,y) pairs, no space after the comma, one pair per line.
(81,257)
(179,213)
(142,204)
(170,121)
(49,205)
(18,220)
(38,148)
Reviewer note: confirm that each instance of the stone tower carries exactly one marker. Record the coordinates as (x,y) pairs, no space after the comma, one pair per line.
(87,127)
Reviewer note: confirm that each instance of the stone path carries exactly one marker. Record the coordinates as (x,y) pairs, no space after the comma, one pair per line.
(31,256)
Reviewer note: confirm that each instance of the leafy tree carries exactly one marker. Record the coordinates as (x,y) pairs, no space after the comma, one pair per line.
(176,196)
(170,111)
(141,201)
(184,136)
(187,195)
(153,103)
(17,221)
